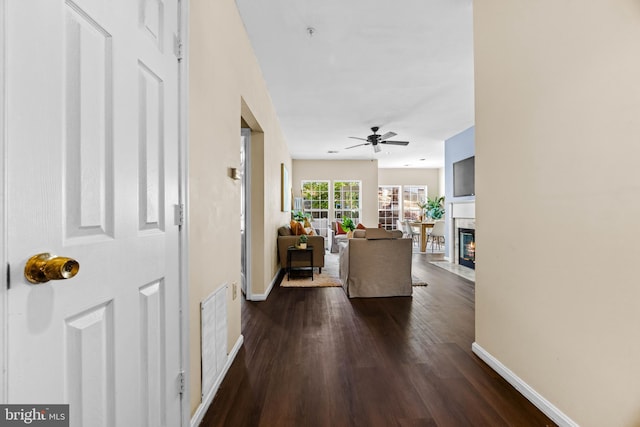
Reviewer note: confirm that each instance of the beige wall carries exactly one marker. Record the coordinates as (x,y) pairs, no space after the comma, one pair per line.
(225,82)
(441,190)
(412,176)
(334,170)
(557,149)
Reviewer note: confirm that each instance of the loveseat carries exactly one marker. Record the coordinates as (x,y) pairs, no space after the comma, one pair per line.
(286,238)
(335,238)
(337,235)
(377,265)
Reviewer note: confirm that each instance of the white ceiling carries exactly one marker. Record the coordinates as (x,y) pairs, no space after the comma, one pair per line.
(403,65)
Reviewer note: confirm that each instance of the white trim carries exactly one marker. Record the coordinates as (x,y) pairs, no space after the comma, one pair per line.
(263,297)
(3,217)
(183,189)
(523,388)
(200,412)
(246,182)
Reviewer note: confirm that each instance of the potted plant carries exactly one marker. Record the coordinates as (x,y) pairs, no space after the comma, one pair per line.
(435,207)
(348,226)
(302,241)
(298,216)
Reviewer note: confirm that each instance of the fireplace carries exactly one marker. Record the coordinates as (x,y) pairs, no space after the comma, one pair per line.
(467,247)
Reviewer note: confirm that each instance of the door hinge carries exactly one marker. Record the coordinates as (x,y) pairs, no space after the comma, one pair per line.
(179,215)
(181,385)
(177,47)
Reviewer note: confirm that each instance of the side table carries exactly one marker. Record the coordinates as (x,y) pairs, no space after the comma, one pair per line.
(291,250)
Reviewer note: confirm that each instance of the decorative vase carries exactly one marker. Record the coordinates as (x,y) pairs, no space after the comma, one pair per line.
(349,234)
(302,246)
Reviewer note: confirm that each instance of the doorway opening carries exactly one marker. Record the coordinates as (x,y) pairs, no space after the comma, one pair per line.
(245,211)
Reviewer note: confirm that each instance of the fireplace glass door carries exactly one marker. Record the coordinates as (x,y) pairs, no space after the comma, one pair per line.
(467,247)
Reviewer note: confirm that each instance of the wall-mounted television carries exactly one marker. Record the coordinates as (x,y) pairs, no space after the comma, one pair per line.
(464,172)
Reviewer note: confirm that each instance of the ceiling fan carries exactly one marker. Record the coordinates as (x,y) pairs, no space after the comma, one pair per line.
(376,140)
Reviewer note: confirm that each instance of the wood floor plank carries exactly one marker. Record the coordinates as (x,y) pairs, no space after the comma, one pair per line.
(313,357)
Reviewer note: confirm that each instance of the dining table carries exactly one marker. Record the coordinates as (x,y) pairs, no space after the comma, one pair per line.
(423,232)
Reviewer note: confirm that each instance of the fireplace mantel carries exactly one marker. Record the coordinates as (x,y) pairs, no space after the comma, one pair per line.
(463,215)
(463,210)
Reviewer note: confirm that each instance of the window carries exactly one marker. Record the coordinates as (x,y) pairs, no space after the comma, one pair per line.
(346,200)
(315,196)
(411,196)
(388,206)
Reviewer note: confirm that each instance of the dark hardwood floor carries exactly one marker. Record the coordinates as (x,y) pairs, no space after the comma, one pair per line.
(312,357)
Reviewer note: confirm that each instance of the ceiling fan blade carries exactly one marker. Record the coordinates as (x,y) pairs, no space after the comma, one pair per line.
(357,145)
(387,135)
(395,142)
(361,139)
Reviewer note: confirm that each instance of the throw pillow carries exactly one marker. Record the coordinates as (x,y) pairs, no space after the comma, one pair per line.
(339,228)
(309,231)
(296,228)
(301,230)
(361,227)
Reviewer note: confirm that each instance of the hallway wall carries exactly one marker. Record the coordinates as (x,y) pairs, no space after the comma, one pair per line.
(557,108)
(225,83)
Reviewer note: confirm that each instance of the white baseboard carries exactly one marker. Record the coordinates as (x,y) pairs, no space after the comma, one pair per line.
(263,297)
(197,417)
(524,389)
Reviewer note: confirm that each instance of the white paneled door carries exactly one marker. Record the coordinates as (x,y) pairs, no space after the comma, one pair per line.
(92,174)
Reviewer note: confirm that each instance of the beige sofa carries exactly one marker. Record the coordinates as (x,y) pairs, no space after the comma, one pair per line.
(286,239)
(378,265)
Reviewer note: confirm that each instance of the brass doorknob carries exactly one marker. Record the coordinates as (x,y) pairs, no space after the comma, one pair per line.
(44,267)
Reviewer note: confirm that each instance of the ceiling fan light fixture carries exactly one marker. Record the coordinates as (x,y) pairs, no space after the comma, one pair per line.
(376,139)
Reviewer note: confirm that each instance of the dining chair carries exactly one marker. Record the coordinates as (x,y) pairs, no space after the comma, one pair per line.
(436,235)
(411,231)
(400,227)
